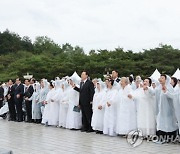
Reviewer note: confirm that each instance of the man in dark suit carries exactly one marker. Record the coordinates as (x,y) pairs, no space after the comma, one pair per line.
(10,100)
(28,91)
(115,76)
(86,92)
(1,96)
(18,98)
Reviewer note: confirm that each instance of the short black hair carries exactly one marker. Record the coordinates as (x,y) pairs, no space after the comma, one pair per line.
(150,81)
(11,80)
(19,79)
(27,80)
(87,73)
(131,79)
(51,84)
(175,81)
(33,79)
(115,71)
(164,75)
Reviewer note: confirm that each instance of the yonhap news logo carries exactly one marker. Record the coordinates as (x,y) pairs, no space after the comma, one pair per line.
(136,137)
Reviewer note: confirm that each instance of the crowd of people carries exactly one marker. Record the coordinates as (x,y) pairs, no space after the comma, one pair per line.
(112,107)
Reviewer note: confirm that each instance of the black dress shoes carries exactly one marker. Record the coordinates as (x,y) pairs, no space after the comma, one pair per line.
(99,132)
(83,130)
(89,131)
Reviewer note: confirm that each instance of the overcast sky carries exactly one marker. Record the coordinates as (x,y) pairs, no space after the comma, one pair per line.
(95,24)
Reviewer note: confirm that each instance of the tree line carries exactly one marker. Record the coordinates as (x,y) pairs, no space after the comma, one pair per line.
(45,58)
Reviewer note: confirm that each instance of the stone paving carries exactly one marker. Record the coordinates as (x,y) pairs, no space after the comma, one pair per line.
(28,138)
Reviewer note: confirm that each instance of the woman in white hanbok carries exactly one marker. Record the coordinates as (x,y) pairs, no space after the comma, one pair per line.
(54,104)
(36,106)
(63,106)
(74,118)
(137,84)
(126,109)
(43,93)
(166,116)
(176,102)
(98,107)
(110,113)
(146,117)
(46,113)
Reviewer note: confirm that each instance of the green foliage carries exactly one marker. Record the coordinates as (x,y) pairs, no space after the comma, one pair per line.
(45,44)
(11,42)
(45,58)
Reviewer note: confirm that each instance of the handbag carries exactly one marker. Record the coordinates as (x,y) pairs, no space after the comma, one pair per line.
(76,109)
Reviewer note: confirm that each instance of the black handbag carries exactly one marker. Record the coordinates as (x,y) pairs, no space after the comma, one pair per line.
(76,109)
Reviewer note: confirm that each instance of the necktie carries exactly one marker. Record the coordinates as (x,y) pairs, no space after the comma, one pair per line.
(82,83)
(26,88)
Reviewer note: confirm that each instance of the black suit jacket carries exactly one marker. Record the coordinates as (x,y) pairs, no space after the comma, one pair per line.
(19,89)
(1,93)
(11,93)
(28,93)
(86,93)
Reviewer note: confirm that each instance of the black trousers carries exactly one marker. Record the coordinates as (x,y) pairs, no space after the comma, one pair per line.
(86,116)
(29,110)
(12,110)
(18,104)
(1,103)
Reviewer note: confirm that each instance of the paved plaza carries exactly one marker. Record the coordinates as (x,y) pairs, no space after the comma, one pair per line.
(28,138)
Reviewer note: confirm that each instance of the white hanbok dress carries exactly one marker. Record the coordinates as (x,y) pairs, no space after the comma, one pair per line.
(46,113)
(42,97)
(63,107)
(74,119)
(146,117)
(54,108)
(126,112)
(110,113)
(98,115)
(177,104)
(166,118)
(36,106)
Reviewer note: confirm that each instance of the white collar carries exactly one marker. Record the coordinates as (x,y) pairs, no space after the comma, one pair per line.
(115,79)
(27,86)
(85,81)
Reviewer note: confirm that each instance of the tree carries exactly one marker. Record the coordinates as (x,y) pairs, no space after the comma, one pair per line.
(9,42)
(45,44)
(26,44)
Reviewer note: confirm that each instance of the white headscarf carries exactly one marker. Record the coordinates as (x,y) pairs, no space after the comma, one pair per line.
(36,86)
(46,83)
(65,83)
(58,83)
(102,85)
